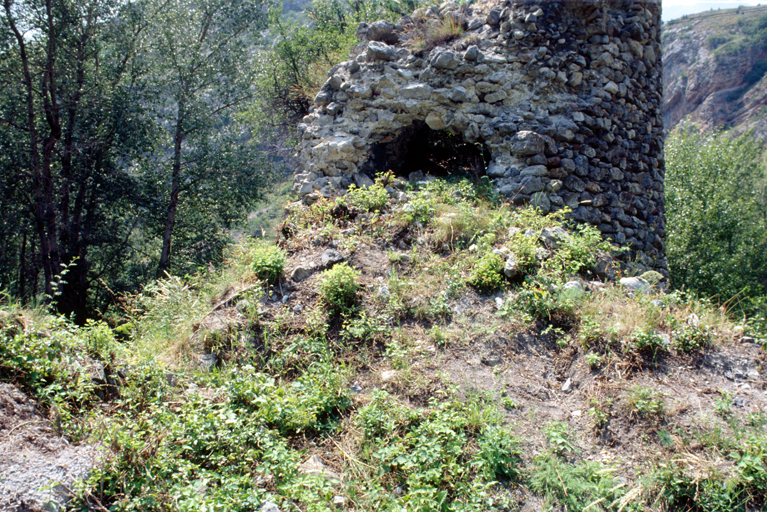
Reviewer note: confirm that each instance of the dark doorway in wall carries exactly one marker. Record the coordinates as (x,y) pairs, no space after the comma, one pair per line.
(435,152)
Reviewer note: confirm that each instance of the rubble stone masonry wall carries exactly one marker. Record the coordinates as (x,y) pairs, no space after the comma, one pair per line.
(564,96)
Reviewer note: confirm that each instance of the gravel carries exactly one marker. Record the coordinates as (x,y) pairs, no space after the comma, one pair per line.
(38,468)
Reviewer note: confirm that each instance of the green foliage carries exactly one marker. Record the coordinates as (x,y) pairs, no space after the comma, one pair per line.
(579,251)
(599,411)
(383,416)
(715,203)
(541,299)
(487,274)
(647,341)
(499,453)
(681,487)
(593,360)
(590,332)
(268,262)
(690,338)
(423,204)
(55,360)
(338,287)
(369,199)
(365,329)
(558,437)
(310,403)
(576,486)
(723,404)
(714,41)
(164,313)
(429,459)
(645,402)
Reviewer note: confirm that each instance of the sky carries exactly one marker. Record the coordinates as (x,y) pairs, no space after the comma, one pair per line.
(675,8)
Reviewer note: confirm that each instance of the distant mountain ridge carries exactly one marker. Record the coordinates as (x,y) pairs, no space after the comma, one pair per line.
(672,12)
(714,66)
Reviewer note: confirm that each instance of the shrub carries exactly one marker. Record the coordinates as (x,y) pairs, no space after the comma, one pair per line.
(487,275)
(648,341)
(498,454)
(539,299)
(645,402)
(370,199)
(383,417)
(365,328)
(715,197)
(268,263)
(690,338)
(338,287)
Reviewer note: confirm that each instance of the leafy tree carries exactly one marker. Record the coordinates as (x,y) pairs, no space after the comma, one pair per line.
(201,65)
(715,207)
(69,124)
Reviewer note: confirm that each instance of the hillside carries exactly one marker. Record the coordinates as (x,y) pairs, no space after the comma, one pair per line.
(414,347)
(714,66)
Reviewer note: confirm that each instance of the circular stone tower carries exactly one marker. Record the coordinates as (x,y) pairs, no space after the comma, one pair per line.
(563,97)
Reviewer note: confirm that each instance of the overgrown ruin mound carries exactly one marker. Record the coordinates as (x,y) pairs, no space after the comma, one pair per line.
(564,99)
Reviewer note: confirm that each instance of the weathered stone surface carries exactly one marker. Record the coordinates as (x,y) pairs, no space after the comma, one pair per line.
(554,237)
(636,284)
(382,31)
(381,51)
(511,268)
(528,143)
(331,257)
(416,91)
(567,109)
(445,60)
(301,273)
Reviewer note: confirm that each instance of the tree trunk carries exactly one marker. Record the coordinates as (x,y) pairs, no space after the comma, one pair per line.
(23,267)
(170,220)
(34,153)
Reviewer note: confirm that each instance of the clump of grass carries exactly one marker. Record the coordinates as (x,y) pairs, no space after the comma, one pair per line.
(427,34)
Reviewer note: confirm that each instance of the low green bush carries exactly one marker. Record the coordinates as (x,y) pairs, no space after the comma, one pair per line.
(647,341)
(645,402)
(268,262)
(368,199)
(487,275)
(690,338)
(338,287)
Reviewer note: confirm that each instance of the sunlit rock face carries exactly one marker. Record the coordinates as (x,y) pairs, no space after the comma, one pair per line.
(562,101)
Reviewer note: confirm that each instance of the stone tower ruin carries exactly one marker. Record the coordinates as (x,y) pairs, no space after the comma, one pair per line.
(558,103)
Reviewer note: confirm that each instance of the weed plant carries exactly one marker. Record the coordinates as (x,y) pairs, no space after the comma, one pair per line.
(268,262)
(338,287)
(487,275)
(368,199)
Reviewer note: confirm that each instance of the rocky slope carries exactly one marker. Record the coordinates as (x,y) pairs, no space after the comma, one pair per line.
(713,69)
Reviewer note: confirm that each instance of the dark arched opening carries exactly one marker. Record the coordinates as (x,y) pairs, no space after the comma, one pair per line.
(433,152)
